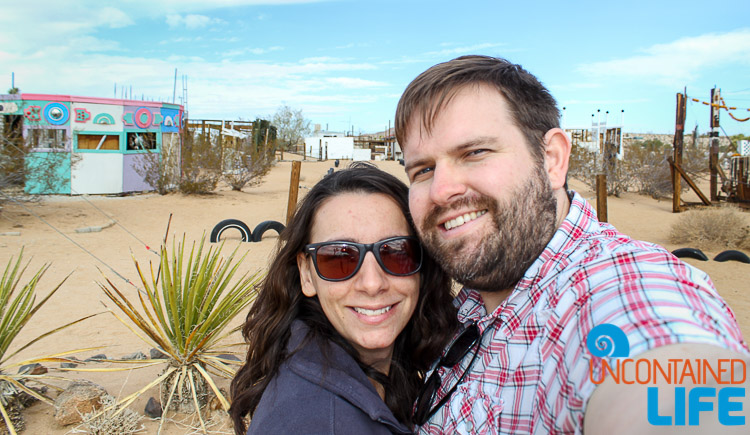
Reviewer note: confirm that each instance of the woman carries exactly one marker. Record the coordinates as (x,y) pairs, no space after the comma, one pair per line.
(349,317)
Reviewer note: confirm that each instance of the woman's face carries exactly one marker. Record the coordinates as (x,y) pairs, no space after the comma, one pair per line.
(371,308)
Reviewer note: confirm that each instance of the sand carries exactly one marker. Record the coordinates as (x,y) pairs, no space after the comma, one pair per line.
(47,233)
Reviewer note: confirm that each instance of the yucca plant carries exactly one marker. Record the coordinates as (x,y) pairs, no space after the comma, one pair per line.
(17,307)
(186,306)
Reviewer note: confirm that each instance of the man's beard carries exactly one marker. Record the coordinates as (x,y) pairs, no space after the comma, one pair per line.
(522,228)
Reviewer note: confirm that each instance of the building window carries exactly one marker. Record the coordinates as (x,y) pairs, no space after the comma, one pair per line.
(141,141)
(98,142)
(47,138)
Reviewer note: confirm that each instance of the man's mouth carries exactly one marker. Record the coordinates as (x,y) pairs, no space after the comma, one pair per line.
(460,220)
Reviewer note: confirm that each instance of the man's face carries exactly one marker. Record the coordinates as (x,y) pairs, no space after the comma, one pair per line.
(483,207)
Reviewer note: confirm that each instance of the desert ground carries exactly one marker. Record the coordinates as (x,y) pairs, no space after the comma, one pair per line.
(46,231)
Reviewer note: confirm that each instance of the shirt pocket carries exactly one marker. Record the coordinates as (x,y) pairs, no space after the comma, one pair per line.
(471,411)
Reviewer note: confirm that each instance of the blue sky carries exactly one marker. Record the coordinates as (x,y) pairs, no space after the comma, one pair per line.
(346,62)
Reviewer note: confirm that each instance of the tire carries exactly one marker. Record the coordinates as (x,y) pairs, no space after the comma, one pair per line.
(265,226)
(227,224)
(733,255)
(690,253)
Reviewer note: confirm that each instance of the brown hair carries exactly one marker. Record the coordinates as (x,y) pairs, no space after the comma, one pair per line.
(532,107)
(280,302)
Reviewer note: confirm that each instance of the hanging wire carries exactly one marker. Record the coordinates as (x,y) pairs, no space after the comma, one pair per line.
(115,221)
(102,212)
(70,240)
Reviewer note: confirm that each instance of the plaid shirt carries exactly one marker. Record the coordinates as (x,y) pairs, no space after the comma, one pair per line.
(531,374)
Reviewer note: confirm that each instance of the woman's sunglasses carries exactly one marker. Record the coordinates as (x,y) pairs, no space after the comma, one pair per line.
(339,261)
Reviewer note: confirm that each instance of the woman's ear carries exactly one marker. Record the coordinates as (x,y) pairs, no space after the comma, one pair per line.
(305,275)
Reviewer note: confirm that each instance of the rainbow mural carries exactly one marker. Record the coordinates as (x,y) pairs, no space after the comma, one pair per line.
(99,142)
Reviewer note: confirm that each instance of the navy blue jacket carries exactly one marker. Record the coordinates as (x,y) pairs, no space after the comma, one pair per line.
(321,394)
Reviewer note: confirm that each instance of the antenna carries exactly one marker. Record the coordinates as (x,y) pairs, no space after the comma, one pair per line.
(174,88)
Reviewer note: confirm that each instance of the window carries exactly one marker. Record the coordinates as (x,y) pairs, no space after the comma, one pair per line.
(141,141)
(87,141)
(48,138)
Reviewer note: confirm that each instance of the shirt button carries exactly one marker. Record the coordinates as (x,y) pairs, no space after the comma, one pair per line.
(469,426)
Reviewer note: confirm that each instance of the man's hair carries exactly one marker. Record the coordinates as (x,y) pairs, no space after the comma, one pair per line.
(532,107)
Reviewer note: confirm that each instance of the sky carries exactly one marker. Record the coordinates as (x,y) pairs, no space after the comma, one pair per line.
(345,63)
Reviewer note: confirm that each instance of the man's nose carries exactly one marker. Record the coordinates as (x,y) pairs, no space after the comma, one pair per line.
(447,184)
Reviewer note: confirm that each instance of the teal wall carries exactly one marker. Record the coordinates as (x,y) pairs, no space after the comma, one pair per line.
(37,167)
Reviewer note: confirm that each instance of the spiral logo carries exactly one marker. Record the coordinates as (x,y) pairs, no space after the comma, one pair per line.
(608,340)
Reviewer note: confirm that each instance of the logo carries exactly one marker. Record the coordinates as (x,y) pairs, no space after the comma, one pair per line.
(611,350)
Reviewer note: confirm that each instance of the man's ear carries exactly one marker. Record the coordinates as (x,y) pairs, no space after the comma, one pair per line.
(556,157)
(305,275)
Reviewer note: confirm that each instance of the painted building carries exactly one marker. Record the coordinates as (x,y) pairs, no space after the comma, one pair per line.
(99,142)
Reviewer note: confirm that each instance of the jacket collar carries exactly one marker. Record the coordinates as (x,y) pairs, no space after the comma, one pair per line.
(330,367)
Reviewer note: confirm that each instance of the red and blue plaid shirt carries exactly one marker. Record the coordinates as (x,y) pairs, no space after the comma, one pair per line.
(532,371)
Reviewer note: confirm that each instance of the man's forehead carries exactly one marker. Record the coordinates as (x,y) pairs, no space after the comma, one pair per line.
(422,123)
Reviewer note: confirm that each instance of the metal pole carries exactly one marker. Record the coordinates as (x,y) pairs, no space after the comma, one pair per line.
(713,158)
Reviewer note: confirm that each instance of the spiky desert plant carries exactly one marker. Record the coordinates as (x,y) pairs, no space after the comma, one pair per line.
(186,306)
(17,307)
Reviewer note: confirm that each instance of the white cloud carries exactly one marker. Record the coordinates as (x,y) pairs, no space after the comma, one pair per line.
(191,21)
(680,61)
(353,83)
(469,49)
(114,18)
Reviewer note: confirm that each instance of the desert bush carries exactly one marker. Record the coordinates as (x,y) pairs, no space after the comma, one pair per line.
(644,168)
(185,308)
(247,165)
(585,165)
(17,307)
(49,170)
(113,420)
(201,162)
(712,228)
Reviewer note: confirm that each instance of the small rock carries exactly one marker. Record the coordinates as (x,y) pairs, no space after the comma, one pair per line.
(81,397)
(97,357)
(153,408)
(229,357)
(157,354)
(32,369)
(135,355)
(69,365)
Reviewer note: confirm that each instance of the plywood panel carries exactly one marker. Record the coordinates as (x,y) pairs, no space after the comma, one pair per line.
(97,173)
(101,142)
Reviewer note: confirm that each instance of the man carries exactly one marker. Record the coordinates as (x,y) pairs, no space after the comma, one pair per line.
(487,162)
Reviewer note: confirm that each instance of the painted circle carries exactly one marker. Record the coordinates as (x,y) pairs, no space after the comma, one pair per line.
(56,113)
(143,118)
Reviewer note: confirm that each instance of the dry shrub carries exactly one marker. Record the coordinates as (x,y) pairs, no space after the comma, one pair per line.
(201,162)
(712,229)
(112,421)
(644,169)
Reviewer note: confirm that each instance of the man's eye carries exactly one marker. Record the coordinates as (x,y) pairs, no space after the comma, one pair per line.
(422,172)
(477,152)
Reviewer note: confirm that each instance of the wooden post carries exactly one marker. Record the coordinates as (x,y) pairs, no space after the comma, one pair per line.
(713,157)
(293,190)
(679,131)
(601,197)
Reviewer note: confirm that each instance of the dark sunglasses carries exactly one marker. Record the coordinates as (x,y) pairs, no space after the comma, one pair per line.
(339,261)
(458,350)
